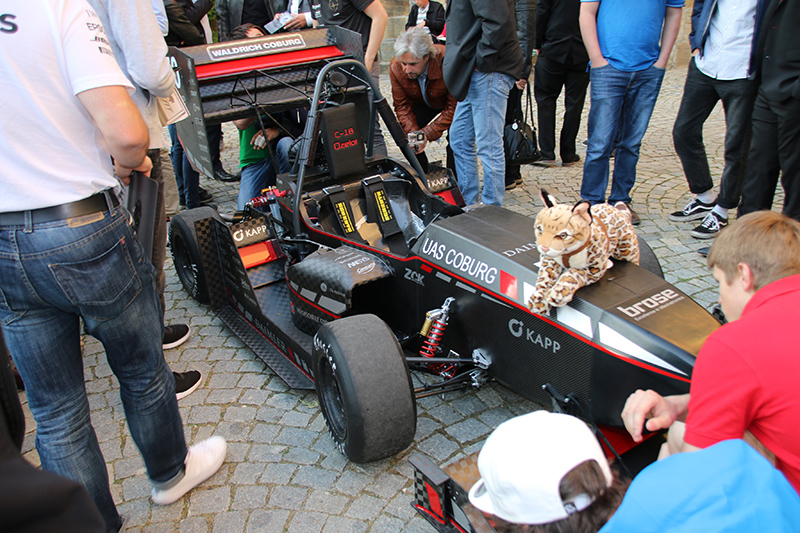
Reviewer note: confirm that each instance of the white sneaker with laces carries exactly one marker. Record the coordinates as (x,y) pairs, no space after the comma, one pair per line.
(202,461)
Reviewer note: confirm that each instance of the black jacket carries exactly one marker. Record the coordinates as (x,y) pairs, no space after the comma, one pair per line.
(182,32)
(558,32)
(481,35)
(434,20)
(526,32)
(779,38)
(229,14)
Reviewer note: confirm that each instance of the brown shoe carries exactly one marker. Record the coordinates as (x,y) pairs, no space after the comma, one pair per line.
(622,206)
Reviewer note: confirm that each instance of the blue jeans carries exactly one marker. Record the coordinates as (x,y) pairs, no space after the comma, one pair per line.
(479,120)
(187,178)
(700,95)
(51,275)
(258,176)
(622,103)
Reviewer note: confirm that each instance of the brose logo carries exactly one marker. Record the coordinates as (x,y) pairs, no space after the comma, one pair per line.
(651,304)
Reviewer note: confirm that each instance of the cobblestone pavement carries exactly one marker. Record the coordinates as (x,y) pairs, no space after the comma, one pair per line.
(282,472)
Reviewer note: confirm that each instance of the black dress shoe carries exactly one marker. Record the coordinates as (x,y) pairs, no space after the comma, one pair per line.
(205,196)
(222,175)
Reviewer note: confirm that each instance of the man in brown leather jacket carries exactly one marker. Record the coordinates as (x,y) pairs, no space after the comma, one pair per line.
(421,100)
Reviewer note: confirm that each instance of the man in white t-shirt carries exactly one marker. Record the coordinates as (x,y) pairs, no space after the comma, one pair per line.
(67,252)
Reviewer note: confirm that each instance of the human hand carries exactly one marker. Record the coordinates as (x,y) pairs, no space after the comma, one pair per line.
(662,64)
(260,140)
(695,52)
(421,146)
(647,409)
(599,62)
(297,22)
(124,173)
(521,84)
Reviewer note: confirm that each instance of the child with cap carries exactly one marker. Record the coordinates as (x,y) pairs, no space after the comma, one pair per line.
(545,472)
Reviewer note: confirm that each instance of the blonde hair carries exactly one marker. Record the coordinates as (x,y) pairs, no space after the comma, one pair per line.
(766,241)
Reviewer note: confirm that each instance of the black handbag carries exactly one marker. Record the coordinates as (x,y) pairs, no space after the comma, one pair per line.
(520,139)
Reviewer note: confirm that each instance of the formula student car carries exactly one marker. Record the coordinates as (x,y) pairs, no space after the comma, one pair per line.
(353,270)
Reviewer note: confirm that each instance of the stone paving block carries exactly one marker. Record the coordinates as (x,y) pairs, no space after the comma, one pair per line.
(194,524)
(326,502)
(290,498)
(249,497)
(240,414)
(204,414)
(468,430)
(247,474)
(340,524)
(437,447)
(230,522)
(278,473)
(209,501)
(364,507)
(305,521)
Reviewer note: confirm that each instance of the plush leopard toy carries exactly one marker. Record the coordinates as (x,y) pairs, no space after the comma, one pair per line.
(576,245)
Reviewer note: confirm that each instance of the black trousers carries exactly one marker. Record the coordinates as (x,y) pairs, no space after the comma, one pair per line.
(513,107)
(548,79)
(700,94)
(425,114)
(773,152)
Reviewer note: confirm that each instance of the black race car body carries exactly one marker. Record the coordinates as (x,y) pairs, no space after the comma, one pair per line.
(347,239)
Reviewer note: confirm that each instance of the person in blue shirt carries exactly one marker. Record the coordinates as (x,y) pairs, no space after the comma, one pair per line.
(726,487)
(628,42)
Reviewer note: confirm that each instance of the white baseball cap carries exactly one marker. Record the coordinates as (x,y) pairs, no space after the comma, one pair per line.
(522,464)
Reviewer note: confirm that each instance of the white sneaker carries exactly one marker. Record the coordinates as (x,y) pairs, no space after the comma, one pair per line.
(202,461)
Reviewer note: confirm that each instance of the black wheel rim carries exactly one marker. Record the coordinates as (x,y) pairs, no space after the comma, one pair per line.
(331,401)
(183,263)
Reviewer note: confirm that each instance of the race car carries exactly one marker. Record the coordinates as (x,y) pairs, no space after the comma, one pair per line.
(354,271)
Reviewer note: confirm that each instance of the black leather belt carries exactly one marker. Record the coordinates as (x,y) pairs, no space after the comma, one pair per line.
(93,204)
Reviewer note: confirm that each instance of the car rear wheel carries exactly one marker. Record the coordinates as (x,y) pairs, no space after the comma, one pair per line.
(364,388)
(648,259)
(186,251)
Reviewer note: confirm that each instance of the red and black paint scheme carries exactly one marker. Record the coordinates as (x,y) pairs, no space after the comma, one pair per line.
(358,238)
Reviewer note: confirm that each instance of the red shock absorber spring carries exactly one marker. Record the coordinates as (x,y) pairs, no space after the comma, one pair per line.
(431,343)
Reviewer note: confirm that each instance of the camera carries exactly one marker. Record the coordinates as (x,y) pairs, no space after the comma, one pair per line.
(415,138)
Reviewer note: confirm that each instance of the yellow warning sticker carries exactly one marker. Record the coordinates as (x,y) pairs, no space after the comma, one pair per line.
(344,217)
(384,211)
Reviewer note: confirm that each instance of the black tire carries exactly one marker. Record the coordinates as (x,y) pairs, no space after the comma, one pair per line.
(648,259)
(364,388)
(186,251)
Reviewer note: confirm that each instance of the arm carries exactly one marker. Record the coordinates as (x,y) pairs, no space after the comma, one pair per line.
(223,17)
(412,17)
(526,30)
(435,18)
(196,11)
(653,411)
(697,33)
(377,13)
(181,31)
(672,23)
(118,119)
(401,102)
(144,49)
(588,22)
(543,9)
(437,126)
(496,23)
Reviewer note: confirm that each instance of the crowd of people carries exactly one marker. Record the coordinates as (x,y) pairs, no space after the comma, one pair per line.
(69,260)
